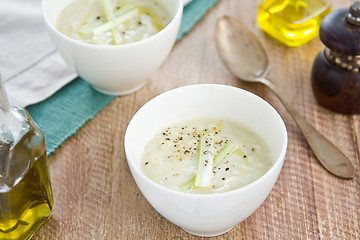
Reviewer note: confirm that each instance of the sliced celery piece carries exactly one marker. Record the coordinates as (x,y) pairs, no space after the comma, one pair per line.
(116,35)
(115,31)
(205,160)
(88,28)
(84,24)
(110,16)
(116,21)
(124,9)
(225,152)
(189,185)
(108,9)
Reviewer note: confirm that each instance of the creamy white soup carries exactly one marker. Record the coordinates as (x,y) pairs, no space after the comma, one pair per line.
(112,22)
(206,156)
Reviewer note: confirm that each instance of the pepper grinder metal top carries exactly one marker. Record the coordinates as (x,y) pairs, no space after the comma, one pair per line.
(354,14)
(336,71)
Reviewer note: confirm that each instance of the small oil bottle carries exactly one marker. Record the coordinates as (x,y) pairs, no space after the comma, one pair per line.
(292,22)
(26,200)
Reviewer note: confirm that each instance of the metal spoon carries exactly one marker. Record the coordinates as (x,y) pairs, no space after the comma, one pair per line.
(246,58)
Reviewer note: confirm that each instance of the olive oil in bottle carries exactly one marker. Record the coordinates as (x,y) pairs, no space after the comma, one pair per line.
(292,22)
(26,200)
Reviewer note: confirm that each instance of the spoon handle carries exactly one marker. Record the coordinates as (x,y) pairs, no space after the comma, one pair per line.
(327,153)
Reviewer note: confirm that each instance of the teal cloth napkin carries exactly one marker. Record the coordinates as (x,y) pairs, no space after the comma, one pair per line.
(64,113)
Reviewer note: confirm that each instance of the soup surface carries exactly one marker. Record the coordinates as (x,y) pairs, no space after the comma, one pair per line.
(232,156)
(112,22)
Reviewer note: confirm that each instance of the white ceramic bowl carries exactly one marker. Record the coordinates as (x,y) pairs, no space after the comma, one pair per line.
(115,69)
(206,214)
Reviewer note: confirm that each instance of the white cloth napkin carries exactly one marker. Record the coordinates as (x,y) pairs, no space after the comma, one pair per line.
(30,66)
(186,2)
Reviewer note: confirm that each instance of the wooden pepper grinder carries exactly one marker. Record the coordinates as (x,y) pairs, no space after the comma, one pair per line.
(336,70)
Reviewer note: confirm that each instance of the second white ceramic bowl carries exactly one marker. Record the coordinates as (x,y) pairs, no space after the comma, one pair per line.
(206,214)
(114,69)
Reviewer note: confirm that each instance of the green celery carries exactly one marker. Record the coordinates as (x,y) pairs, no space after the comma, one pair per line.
(110,16)
(88,28)
(116,35)
(124,9)
(116,21)
(222,155)
(115,31)
(189,185)
(225,152)
(108,9)
(205,160)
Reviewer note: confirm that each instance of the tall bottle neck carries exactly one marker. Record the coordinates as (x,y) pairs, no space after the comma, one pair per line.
(4,103)
(12,124)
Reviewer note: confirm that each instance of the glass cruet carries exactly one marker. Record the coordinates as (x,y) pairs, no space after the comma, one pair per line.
(292,22)
(26,199)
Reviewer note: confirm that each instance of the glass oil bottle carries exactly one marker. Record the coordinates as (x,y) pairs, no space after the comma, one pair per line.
(292,22)
(26,200)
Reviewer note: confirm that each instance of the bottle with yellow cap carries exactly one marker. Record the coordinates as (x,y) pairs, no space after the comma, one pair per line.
(292,22)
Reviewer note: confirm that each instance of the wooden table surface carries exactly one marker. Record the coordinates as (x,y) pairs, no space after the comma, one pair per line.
(97,198)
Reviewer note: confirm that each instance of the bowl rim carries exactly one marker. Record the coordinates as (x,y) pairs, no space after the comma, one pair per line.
(168,27)
(278,161)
